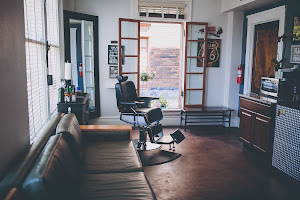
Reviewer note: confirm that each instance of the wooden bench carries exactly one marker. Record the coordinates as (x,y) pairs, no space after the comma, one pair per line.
(208,115)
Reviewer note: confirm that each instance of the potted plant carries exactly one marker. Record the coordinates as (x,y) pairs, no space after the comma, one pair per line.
(163,102)
(144,76)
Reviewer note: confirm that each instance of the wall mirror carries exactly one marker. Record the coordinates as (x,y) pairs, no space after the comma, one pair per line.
(81,49)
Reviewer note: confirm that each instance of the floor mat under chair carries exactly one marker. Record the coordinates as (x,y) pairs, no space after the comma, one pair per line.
(157,157)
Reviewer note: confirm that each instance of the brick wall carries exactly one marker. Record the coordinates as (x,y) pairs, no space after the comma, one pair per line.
(164,62)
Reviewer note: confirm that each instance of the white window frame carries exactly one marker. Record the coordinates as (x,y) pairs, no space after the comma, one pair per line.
(187,14)
(49,93)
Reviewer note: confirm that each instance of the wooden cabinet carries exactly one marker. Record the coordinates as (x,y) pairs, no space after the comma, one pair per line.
(256,125)
(80,108)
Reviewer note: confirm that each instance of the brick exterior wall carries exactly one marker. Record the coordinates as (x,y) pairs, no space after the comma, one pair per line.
(164,62)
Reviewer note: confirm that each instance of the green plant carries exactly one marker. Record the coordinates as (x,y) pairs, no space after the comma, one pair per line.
(163,102)
(144,76)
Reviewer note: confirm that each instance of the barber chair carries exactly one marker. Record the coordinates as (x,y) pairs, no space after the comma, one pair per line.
(135,110)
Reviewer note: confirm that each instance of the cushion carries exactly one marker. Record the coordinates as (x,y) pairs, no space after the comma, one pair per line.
(116,156)
(70,129)
(55,173)
(115,186)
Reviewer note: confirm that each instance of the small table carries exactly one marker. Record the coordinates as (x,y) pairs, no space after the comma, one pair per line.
(80,108)
(196,115)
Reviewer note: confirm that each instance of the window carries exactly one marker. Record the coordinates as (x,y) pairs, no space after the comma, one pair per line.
(162,10)
(41,30)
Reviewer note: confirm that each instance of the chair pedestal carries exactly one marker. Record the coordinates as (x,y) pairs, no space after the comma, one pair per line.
(142,144)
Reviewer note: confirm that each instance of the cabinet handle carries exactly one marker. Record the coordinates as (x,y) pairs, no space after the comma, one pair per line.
(246,114)
(261,120)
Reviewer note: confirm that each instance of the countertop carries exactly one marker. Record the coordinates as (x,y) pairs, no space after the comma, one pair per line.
(258,98)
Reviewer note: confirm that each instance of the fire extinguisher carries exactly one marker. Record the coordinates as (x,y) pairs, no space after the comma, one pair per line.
(239,75)
(80,70)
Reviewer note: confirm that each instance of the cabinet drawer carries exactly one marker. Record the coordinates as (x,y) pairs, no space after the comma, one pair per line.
(256,107)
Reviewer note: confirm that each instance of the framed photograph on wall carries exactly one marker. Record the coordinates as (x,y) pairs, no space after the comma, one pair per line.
(295,54)
(296,31)
(213,52)
(113,71)
(113,54)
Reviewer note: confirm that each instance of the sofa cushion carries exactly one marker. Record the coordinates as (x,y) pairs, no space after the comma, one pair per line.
(70,129)
(55,173)
(116,156)
(119,186)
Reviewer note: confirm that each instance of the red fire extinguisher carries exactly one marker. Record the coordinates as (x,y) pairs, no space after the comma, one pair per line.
(80,70)
(239,75)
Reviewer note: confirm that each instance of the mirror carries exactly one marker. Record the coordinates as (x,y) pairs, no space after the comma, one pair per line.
(81,49)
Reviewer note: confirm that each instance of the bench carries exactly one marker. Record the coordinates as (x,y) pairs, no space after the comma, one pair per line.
(207,115)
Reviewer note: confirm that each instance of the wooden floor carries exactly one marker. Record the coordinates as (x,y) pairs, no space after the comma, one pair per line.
(214,165)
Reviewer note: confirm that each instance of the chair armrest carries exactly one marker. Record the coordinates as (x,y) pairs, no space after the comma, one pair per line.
(132,103)
(93,133)
(147,98)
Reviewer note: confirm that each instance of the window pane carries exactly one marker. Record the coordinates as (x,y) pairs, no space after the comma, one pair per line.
(193,97)
(196,32)
(194,81)
(194,65)
(129,29)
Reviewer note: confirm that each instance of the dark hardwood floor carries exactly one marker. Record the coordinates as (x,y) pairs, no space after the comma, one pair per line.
(214,165)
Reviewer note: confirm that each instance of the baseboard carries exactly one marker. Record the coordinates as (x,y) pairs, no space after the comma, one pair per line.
(167,121)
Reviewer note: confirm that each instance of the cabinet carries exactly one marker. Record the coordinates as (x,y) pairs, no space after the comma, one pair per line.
(256,125)
(80,108)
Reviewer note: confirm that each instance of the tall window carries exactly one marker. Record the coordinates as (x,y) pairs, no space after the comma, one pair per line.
(42,59)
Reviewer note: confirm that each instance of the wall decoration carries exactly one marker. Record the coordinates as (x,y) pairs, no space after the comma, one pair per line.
(296,32)
(295,54)
(113,71)
(113,54)
(213,52)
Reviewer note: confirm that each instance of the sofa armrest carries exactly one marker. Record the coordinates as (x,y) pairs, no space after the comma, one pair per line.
(106,132)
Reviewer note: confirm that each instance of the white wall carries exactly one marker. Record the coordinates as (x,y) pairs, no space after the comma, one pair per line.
(220,80)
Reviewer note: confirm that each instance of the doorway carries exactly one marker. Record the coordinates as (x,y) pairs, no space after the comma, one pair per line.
(81,49)
(265,49)
(160,59)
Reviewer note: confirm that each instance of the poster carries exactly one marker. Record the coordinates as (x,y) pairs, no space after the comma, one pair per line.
(213,52)
(113,54)
(296,32)
(113,71)
(295,54)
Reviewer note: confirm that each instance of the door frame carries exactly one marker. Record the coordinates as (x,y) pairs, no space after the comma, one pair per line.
(80,16)
(275,14)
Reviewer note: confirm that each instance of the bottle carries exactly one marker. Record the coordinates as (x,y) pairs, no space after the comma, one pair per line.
(73,96)
(295,95)
(69,110)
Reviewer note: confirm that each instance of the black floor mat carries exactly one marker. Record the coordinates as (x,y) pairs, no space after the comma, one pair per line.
(157,157)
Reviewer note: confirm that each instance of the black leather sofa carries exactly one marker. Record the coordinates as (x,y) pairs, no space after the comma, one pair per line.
(85,165)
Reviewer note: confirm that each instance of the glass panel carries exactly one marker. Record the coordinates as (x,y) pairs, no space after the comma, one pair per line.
(195,48)
(91,91)
(193,97)
(129,47)
(193,65)
(133,78)
(129,29)
(194,81)
(196,32)
(143,43)
(129,64)
(88,64)
(89,79)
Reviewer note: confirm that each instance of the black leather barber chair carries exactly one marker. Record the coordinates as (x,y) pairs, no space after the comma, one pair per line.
(135,110)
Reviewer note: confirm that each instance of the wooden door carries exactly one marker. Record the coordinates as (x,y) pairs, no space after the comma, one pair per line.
(129,54)
(261,132)
(265,49)
(246,126)
(195,64)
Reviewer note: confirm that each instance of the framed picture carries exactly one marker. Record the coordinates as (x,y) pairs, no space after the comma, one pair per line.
(295,54)
(113,71)
(213,52)
(113,54)
(296,31)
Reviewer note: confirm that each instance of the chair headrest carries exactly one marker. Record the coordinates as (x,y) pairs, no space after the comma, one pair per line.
(122,78)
